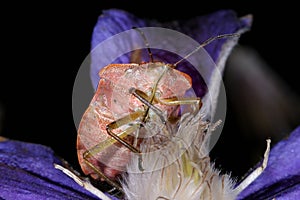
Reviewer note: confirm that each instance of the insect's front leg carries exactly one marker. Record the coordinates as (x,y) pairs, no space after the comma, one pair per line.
(148,101)
(174,101)
(195,102)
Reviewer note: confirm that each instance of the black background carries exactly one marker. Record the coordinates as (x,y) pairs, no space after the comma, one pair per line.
(44,44)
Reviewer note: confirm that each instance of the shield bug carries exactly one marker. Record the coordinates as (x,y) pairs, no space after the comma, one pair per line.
(129,99)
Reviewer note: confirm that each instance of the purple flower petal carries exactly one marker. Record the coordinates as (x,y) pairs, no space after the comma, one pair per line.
(281,178)
(114,21)
(27,172)
(203,27)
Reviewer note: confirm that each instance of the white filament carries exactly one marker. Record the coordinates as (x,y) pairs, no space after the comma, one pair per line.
(190,176)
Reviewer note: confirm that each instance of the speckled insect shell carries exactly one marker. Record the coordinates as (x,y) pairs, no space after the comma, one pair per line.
(112,101)
(191,176)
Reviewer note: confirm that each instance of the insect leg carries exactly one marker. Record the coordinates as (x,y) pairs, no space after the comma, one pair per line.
(116,137)
(141,96)
(103,176)
(174,101)
(102,145)
(120,122)
(119,137)
(179,101)
(110,141)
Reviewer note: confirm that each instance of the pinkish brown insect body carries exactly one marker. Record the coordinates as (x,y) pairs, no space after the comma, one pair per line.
(114,105)
(129,98)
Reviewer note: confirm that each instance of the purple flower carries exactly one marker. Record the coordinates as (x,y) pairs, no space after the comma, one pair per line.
(27,171)
(281,178)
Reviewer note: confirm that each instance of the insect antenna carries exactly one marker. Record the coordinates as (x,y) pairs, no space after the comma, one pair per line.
(206,42)
(146,42)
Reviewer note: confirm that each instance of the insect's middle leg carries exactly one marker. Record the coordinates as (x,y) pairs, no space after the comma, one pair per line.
(117,137)
(123,121)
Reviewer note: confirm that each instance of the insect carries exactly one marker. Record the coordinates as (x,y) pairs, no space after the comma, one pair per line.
(128,97)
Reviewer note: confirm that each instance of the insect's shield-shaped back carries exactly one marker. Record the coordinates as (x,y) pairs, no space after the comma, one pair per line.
(168,46)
